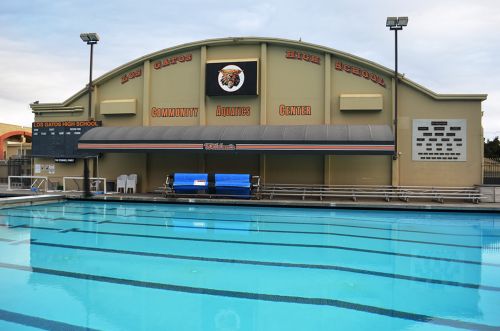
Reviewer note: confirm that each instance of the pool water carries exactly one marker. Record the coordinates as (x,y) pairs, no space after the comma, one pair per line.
(132,266)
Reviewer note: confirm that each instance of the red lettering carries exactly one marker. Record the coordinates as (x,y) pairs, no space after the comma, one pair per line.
(338,65)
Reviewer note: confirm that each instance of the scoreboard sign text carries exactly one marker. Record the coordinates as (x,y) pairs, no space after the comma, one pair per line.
(60,139)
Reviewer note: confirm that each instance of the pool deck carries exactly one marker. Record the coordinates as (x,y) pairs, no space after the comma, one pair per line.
(29,198)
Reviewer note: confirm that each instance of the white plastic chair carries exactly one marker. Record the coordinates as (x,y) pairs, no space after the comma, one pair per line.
(121,183)
(131,183)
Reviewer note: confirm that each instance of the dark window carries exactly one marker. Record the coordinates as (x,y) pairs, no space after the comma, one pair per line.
(428,149)
(427,134)
(428,144)
(420,139)
(439,149)
(423,128)
(433,139)
(457,139)
(439,134)
(449,134)
(439,128)
(439,123)
(459,144)
(450,149)
(455,128)
(445,139)
(439,144)
(419,144)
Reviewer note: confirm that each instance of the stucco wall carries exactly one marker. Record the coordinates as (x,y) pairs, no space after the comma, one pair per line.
(416,105)
(282,80)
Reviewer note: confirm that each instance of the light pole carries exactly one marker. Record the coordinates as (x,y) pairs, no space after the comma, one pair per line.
(396,24)
(91,39)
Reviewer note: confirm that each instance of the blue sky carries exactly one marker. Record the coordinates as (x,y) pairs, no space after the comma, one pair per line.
(448,46)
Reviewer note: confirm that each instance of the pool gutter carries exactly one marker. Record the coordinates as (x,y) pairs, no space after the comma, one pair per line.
(29,200)
(422,205)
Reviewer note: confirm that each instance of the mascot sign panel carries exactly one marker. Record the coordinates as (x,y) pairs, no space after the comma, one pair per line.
(231,78)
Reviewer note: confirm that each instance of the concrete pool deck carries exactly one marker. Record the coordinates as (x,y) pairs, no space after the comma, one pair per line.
(23,197)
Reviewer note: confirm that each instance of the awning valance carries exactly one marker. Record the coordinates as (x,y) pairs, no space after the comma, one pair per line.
(327,139)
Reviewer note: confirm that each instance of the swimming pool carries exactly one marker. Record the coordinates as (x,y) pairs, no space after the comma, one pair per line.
(131,266)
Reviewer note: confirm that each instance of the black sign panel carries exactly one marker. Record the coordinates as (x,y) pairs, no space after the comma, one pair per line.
(60,139)
(231,78)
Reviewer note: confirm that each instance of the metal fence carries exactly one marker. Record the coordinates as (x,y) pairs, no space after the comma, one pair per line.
(491,171)
(15,166)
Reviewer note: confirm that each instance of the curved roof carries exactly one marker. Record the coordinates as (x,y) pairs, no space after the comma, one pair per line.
(256,40)
(274,133)
(336,139)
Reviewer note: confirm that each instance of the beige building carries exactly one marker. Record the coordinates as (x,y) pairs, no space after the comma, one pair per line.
(289,111)
(15,141)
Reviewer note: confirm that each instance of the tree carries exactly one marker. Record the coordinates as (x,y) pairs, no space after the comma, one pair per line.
(492,148)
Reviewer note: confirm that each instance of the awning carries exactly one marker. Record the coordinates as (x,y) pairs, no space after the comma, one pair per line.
(327,139)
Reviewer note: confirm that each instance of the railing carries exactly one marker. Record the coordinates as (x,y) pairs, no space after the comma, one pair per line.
(32,183)
(355,192)
(95,184)
(491,170)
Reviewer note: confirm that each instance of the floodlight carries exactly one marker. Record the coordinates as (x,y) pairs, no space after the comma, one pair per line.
(391,21)
(85,37)
(90,37)
(403,21)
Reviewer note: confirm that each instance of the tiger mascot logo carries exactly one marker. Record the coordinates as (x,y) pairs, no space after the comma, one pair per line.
(231,78)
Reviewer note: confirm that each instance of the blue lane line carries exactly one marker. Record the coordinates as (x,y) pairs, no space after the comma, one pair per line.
(363,250)
(38,322)
(266,231)
(271,264)
(260,296)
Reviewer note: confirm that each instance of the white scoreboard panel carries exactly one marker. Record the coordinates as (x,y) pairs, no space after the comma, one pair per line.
(439,140)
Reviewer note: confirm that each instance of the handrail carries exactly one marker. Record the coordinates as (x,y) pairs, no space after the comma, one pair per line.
(371,191)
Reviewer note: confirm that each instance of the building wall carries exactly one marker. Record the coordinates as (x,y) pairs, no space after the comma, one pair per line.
(293,82)
(175,86)
(175,80)
(416,105)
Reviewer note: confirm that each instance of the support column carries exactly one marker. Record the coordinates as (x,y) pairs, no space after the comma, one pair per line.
(395,161)
(202,162)
(263,84)
(201,90)
(328,159)
(328,179)
(146,92)
(262,168)
(328,88)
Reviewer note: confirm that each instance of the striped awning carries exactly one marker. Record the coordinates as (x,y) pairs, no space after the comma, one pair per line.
(327,139)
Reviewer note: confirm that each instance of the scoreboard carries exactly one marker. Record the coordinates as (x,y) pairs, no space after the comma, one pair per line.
(60,139)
